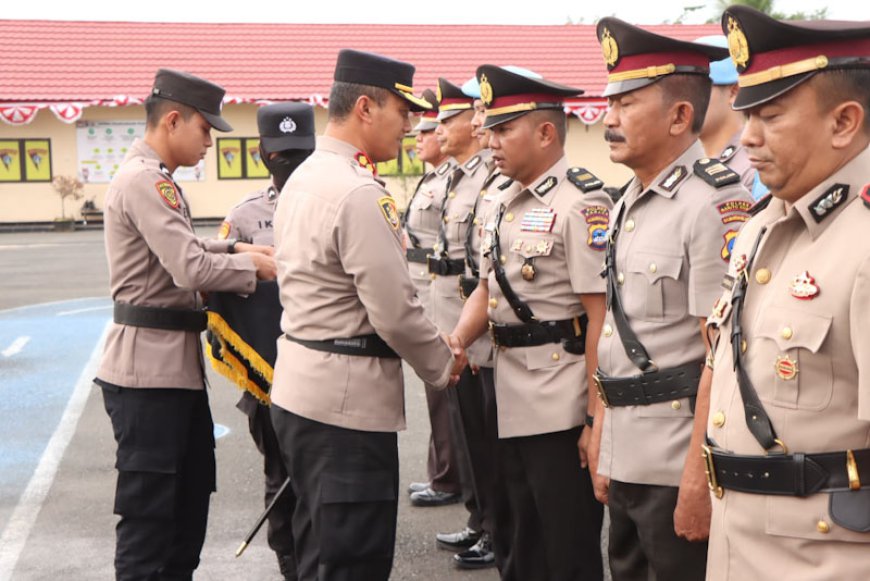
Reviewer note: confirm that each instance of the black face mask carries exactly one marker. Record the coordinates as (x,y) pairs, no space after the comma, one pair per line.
(284,164)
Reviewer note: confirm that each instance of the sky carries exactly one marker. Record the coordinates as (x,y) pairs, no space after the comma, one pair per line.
(396,12)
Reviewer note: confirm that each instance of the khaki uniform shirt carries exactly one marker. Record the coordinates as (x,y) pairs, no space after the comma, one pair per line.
(466,185)
(251,220)
(807,305)
(342,273)
(561,230)
(156,260)
(736,157)
(423,220)
(672,250)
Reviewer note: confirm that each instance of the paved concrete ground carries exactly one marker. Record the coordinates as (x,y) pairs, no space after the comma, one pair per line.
(71,535)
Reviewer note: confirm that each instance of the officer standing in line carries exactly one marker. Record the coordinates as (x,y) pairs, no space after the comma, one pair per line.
(542,254)
(722,127)
(668,247)
(151,373)
(421,223)
(286,140)
(789,423)
(456,136)
(350,313)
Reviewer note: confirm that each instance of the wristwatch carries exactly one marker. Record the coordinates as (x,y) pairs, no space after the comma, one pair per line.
(232,246)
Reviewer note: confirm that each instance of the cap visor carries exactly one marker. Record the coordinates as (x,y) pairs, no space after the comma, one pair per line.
(418,104)
(620,87)
(748,97)
(216,121)
(426,125)
(493,120)
(285,142)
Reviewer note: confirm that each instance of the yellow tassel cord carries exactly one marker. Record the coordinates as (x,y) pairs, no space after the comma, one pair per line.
(230,366)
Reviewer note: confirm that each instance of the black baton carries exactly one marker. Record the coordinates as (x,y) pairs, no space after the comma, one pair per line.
(256,528)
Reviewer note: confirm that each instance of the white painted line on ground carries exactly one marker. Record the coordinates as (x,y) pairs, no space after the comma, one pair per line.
(48,304)
(16,346)
(88,310)
(27,510)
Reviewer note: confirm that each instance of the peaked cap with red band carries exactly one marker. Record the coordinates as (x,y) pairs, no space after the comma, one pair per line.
(636,57)
(773,57)
(451,100)
(507,94)
(429,119)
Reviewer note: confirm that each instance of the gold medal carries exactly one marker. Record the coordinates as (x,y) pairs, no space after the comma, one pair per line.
(786,368)
(528,271)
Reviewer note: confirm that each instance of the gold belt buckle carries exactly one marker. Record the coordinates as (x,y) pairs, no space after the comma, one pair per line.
(600,388)
(492,334)
(710,470)
(852,471)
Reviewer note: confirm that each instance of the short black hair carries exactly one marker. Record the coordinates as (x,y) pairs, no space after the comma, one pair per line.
(157,107)
(692,88)
(557,118)
(840,85)
(343,97)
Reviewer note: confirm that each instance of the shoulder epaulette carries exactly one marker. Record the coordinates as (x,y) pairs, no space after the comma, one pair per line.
(506,185)
(472,163)
(833,198)
(584,179)
(715,173)
(442,169)
(760,205)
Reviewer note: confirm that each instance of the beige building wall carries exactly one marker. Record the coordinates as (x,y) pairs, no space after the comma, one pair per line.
(212,198)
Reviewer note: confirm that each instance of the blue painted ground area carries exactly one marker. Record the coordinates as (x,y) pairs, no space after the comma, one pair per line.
(37,381)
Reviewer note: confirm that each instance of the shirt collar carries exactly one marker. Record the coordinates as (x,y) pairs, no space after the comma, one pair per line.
(669,180)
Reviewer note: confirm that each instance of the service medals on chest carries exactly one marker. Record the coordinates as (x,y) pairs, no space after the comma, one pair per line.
(538,220)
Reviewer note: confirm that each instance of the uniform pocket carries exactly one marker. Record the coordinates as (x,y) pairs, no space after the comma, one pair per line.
(807,518)
(802,378)
(549,355)
(665,297)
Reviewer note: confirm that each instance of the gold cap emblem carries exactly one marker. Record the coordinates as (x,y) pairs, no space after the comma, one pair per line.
(485,91)
(738,46)
(438,95)
(609,48)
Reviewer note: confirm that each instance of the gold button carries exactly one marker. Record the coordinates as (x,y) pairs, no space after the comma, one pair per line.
(509,217)
(608,330)
(422,273)
(719,419)
(482,193)
(629,225)
(433,276)
(653,268)
(446,219)
(493,303)
(620,278)
(676,405)
(743,346)
(476,222)
(451,195)
(503,259)
(787,333)
(762,276)
(823,527)
(555,356)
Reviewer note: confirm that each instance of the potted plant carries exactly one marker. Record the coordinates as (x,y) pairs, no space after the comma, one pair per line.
(66,187)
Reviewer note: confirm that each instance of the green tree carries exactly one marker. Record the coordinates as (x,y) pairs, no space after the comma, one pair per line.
(766,6)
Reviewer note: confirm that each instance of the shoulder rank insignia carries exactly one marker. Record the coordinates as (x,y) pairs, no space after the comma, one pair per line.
(822,206)
(673,179)
(472,163)
(544,187)
(224,232)
(388,208)
(167,191)
(715,173)
(442,169)
(364,162)
(597,221)
(760,205)
(728,153)
(272,194)
(584,179)
(506,185)
(865,196)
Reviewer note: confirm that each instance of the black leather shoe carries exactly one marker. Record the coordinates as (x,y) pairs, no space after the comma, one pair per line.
(464,539)
(431,497)
(480,556)
(417,487)
(287,565)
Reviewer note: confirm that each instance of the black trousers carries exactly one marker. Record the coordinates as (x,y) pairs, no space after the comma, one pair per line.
(475,433)
(548,523)
(643,545)
(441,464)
(166,474)
(279,524)
(346,484)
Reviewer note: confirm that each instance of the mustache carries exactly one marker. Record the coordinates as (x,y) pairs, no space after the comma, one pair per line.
(613,136)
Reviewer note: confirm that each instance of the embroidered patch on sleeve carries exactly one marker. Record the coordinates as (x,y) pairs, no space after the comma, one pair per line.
(388,208)
(167,191)
(728,247)
(734,211)
(597,221)
(224,232)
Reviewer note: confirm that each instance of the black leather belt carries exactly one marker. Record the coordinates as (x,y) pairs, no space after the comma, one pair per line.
(787,474)
(572,332)
(164,318)
(467,284)
(418,255)
(446,266)
(652,387)
(362,345)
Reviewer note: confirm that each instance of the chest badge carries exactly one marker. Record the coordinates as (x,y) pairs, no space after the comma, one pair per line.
(740,263)
(538,220)
(786,368)
(804,287)
(528,270)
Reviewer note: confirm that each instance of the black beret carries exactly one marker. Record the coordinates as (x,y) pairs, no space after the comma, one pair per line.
(284,126)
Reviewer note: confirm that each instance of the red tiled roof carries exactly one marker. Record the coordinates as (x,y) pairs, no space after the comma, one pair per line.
(70,61)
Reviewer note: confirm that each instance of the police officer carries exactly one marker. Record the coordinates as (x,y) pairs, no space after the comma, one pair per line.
(722,127)
(790,404)
(151,372)
(421,222)
(286,140)
(350,313)
(540,290)
(668,247)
